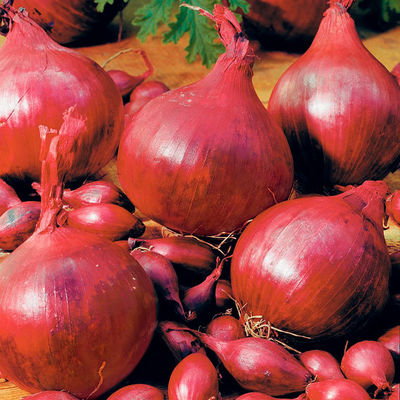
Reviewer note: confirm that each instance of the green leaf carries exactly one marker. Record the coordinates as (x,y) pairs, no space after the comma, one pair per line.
(243,4)
(102,3)
(150,15)
(202,34)
(390,7)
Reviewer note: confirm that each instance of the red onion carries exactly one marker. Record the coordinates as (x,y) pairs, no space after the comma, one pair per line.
(207,157)
(391,340)
(143,93)
(77,309)
(18,223)
(369,363)
(41,80)
(285,23)
(321,364)
(108,220)
(395,393)
(223,294)
(261,396)
(162,274)
(8,197)
(194,378)
(337,104)
(342,389)
(95,193)
(183,252)
(393,205)
(201,298)
(137,392)
(124,81)
(329,281)
(71,20)
(259,364)
(50,395)
(225,327)
(180,342)
(396,73)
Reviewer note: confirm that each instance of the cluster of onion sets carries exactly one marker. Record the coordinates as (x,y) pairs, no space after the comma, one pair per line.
(247,284)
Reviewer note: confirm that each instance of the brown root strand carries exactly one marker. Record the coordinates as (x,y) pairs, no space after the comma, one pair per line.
(101,380)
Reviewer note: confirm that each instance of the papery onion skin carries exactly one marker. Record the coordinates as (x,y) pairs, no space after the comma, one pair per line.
(225,327)
(51,395)
(137,392)
(95,193)
(108,220)
(332,279)
(369,363)
(337,104)
(8,197)
(194,378)
(72,20)
(343,389)
(85,303)
(321,364)
(284,23)
(183,252)
(18,223)
(259,364)
(205,158)
(42,79)
(181,343)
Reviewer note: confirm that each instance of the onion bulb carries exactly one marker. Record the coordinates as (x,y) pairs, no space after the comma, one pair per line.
(207,157)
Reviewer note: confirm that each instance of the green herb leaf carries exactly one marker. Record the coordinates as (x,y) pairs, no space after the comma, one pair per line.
(150,15)
(390,8)
(243,4)
(202,34)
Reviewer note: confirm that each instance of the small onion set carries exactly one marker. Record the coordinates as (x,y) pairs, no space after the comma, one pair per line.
(203,275)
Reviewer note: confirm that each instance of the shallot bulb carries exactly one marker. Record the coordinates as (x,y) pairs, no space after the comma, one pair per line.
(329,281)
(391,340)
(337,105)
(207,157)
(262,396)
(396,73)
(225,327)
(50,395)
(8,197)
(164,278)
(336,389)
(223,294)
(321,364)
(108,220)
(194,378)
(18,223)
(259,364)
(184,252)
(137,392)
(77,309)
(96,192)
(179,341)
(42,79)
(369,363)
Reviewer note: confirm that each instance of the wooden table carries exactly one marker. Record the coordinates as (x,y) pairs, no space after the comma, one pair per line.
(171,67)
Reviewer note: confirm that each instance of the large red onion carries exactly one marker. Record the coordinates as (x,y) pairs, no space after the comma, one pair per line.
(369,363)
(8,197)
(395,395)
(282,23)
(70,20)
(77,312)
(207,157)
(51,395)
(41,80)
(138,391)
(259,364)
(321,364)
(18,223)
(336,389)
(337,105)
(315,266)
(194,378)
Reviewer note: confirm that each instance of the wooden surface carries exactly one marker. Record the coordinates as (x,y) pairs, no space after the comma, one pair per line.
(170,67)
